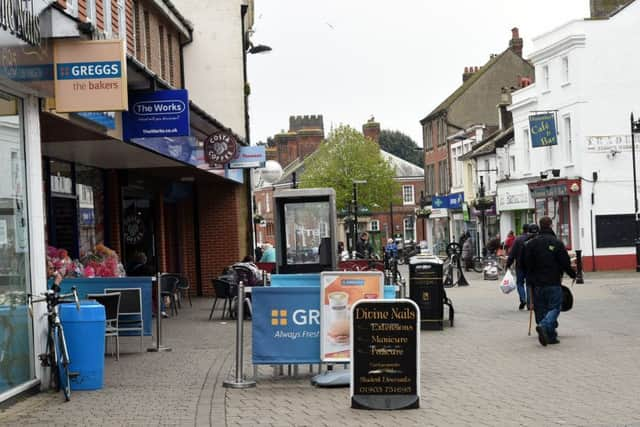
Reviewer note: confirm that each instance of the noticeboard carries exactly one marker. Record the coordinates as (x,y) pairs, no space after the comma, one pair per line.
(339,291)
(385,362)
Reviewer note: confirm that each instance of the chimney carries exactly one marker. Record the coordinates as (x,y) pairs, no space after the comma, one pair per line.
(505,118)
(468,72)
(515,44)
(606,8)
(371,129)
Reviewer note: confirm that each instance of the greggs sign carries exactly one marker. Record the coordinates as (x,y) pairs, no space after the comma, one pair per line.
(90,76)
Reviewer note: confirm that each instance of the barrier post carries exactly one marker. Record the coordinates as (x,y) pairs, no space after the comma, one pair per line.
(239,381)
(159,347)
(579,276)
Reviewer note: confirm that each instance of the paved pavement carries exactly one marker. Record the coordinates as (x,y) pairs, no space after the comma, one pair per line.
(483,371)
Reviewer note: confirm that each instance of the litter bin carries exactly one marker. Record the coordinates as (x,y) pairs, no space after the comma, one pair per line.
(427,290)
(84,331)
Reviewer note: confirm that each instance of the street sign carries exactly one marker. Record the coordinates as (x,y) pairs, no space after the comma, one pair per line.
(385,361)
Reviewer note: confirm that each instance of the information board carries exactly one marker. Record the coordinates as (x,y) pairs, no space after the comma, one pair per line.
(385,362)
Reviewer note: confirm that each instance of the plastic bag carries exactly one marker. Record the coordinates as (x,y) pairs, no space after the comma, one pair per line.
(508,283)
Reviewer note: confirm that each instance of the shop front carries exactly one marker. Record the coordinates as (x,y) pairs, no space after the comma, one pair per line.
(558,199)
(515,207)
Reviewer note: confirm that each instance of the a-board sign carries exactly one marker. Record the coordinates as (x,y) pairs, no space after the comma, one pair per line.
(385,361)
(339,290)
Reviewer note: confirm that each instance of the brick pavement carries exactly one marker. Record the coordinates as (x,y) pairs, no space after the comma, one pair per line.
(484,371)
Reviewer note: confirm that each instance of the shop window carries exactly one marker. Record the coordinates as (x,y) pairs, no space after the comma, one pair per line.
(615,231)
(90,192)
(16,352)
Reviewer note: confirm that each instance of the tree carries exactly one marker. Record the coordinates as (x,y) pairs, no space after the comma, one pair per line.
(401,145)
(346,155)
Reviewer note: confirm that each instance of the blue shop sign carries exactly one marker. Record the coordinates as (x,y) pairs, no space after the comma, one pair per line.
(249,157)
(159,114)
(543,130)
(87,216)
(286,325)
(440,202)
(455,200)
(105,119)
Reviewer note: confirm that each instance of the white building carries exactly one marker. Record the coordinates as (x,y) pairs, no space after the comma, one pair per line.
(587,79)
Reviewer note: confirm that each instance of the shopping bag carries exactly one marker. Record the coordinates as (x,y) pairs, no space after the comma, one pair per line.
(508,283)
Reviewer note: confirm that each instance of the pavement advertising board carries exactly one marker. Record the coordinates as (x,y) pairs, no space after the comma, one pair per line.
(338,292)
(385,363)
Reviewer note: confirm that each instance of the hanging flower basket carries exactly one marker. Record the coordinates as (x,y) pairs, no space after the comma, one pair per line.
(423,213)
(484,203)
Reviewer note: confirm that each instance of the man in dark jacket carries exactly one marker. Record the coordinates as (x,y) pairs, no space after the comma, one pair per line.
(545,259)
(514,255)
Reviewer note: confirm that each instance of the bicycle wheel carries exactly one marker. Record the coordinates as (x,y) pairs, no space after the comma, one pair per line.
(62,359)
(478,265)
(49,359)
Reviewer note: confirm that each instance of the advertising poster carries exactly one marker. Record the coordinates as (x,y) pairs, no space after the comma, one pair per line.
(385,364)
(338,292)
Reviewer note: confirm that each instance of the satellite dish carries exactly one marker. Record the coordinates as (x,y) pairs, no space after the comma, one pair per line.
(271,172)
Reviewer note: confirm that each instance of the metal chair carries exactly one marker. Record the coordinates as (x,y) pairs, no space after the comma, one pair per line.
(169,289)
(111,303)
(183,288)
(223,291)
(130,318)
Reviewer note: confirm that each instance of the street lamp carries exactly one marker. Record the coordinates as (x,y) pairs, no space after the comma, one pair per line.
(354,237)
(423,203)
(635,127)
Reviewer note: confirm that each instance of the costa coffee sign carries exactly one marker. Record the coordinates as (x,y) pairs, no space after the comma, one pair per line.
(220,148)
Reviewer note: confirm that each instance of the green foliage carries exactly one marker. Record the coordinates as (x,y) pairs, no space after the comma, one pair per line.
(346,155)
(401,145)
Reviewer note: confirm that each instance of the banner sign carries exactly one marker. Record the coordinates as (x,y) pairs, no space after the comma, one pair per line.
(285,325)
(455,200)
(338,292)
(543,130)
(249,157)
(385,363)
(90,75)
(159,114)
(105,119)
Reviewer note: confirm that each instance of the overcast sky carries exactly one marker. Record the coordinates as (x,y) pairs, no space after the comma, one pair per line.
(393,59)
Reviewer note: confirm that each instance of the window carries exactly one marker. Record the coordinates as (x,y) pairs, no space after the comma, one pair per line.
(107,18)
(137,29)
(545,77)
(443,176)
(259,208)
(374,225)
(407,195)
(428,136)
(163,54)
(72,7)
(171,65)
(526,151)
(512,164)
(266,203)
(487,176)
(147,37)
(565,69)
(567,139)
(409,232)
(91,11)
(122,24)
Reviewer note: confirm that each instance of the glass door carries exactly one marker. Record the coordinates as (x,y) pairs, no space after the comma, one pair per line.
(138,234)
(16,336)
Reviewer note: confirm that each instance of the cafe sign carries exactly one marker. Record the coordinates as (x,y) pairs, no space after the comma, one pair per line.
(90,75)
(220,148)
(543,130)
(385,361)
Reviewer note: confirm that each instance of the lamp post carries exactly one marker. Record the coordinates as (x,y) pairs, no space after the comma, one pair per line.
(481,205)
(354,237)
(423,203)
(635,127)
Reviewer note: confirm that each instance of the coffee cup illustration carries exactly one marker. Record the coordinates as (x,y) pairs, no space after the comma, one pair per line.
(338,317)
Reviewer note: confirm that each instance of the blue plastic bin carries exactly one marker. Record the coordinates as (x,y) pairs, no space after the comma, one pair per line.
(84,331)
(389,292)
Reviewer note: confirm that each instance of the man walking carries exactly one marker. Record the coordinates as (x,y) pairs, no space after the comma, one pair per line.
(545,259)
(515,255)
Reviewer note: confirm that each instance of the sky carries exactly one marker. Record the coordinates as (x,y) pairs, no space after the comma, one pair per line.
(395,60)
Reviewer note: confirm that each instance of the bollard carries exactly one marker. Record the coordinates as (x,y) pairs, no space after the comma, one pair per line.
(579,277)
(159,347)
(239,381)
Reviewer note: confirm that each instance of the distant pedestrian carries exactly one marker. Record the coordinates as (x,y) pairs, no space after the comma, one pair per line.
(514,256)
(258,252)
(363,246)
(508,242)
(269,253)
(467,253)
(545,260)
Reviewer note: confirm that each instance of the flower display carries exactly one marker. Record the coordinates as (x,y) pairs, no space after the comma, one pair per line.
(101,262)
(423,212)
(63,264)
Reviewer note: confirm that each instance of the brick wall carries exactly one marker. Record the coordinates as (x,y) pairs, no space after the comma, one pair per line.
(186,245)
(161,238)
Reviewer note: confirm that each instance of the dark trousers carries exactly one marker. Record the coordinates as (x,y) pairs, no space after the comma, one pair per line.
(547,303)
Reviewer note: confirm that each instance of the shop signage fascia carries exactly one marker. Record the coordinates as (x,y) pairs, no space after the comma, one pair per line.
(18,18)
(106,119)
(440,202)
(455,200)
(514,198)
(220,148)
(543,130)
(439,213)
(90,75)
(158,114)
(249,157)
(544,189)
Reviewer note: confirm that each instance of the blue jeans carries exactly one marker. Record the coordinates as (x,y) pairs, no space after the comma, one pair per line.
(547,302)
(522,292)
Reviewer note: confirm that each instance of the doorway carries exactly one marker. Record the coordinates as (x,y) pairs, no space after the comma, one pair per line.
(138,232)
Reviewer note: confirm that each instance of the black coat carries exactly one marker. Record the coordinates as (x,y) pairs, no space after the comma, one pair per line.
(515,254)
(545,259)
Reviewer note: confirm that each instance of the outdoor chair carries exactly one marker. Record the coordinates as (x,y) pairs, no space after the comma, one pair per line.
(130,317)
(169,289)
(222,289)
(111,303)
(184,288)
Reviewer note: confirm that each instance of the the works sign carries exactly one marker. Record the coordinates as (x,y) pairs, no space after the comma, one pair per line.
(159,114)
(16,18)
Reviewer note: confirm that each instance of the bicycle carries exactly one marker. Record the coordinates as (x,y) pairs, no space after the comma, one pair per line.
(57,355)
(479,263)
